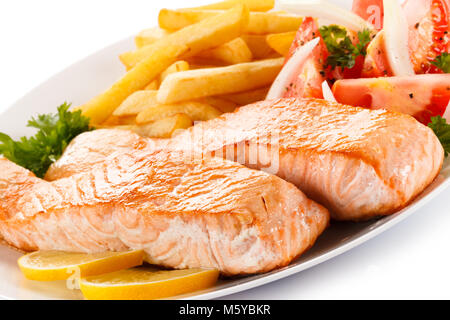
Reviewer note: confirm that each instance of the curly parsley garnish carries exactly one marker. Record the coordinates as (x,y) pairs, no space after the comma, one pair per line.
(442,130)
(442,62)
(55,133)
(342,51)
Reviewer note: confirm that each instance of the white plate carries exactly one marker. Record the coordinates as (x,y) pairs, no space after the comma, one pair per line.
(85,79)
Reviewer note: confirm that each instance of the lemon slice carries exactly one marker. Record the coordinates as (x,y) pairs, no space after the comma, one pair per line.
(57,265)
(146,283)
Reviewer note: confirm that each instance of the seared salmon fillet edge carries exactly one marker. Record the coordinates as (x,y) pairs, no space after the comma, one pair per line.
(185,213)
(359,163)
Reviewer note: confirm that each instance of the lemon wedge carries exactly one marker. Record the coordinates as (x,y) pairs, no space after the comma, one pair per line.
(57,265)
(146,283)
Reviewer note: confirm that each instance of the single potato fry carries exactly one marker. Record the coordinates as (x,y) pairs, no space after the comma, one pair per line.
(259,22)
(281,42)
(164,128)
(245,98)
(233,52)
(195,84)
(208,33)
(154,85)
(252,5)
(197,111)
(220,104)
(135,103)
(102,107)
(141,100)
(258,46)
(174,68)
(149,36)
(120,120)
(201,65)
(273,22)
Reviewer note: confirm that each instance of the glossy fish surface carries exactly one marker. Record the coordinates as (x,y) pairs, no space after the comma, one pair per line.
(184,213)
(358,163)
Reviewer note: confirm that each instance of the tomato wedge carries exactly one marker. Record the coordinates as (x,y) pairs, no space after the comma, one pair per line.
(421,96)
(289,73)
(370,10)
(308,81)
(429,36)
(429,27)
(376,63)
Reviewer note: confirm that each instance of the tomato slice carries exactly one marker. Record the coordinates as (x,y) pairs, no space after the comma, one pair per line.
(376,63)
(370,10)
(422,96)
(429,22)
(429,36)
(308,81)
(309,29)
(289,73)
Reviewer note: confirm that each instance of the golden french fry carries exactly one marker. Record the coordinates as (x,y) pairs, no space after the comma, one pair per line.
(252,5)
(194,84)
(197,111)
(120,120)
(164,128)
(259,22)
(154,85)
(273,22)
(135,103)
(141,100)
(235,51)
(208,33)
(102,107)
(220,104)
(174,68)
(169,19)
(149,36)
(281,42)
(258,46)
(202,65)
(244,98)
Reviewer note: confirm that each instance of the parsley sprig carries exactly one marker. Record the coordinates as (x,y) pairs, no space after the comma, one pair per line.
(442,130)
(443,62)
(340,47)
(55,131)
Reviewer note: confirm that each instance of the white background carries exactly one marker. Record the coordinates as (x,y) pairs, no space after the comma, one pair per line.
(40,38)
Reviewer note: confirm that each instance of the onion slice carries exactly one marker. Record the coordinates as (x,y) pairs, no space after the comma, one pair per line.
(396,31)
(327,93)
(291,69)
(327,11)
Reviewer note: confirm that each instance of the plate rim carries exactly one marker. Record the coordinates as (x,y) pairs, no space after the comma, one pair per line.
(275,275)
(261,279)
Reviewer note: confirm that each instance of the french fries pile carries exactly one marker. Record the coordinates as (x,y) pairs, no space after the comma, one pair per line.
(199,63)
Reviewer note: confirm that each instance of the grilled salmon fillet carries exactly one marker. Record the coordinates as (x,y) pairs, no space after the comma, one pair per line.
(359,163)
(185,213)
(93,147)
